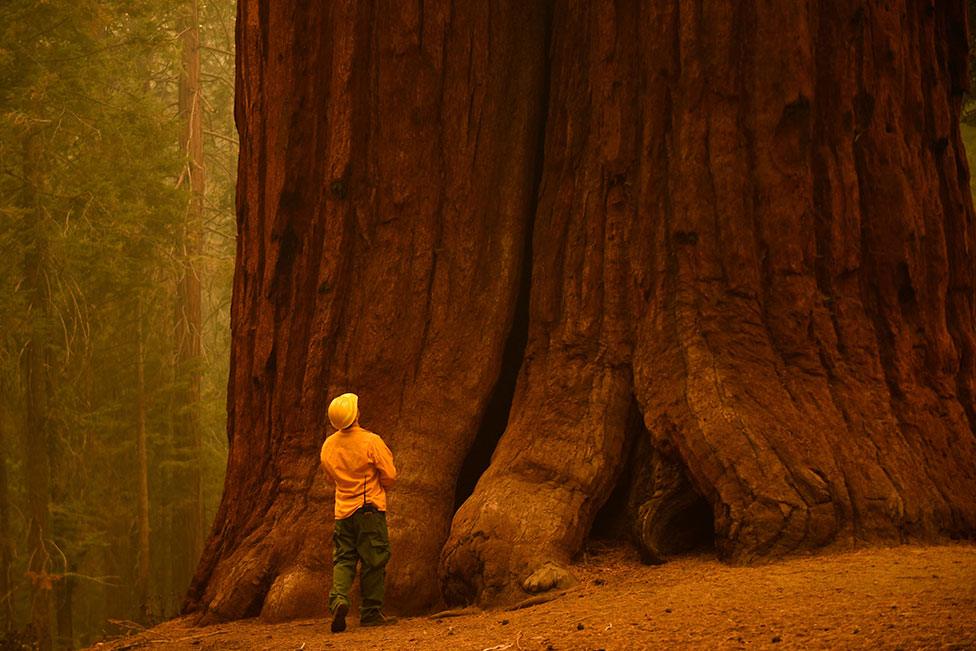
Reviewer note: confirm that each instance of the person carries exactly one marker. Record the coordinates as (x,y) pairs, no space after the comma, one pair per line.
(361,466)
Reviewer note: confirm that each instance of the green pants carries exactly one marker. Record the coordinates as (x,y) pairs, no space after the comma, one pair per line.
(361,537)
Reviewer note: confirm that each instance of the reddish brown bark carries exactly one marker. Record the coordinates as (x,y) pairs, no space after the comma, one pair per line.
(753,228)
(758,223)
(386,177)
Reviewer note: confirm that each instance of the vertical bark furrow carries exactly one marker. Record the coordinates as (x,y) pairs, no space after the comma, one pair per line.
(564,442)
(951,44)
(894,218)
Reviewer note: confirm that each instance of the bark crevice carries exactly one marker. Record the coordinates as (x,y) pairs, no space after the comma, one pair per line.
(494,419)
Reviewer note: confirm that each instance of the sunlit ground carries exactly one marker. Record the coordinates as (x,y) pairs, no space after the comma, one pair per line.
(902,597)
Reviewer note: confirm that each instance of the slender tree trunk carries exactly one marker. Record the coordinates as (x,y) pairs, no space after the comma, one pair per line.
(6,602)
(168,593)
(64,591)
(144,587)
(189,317)
(37,467)
(749,223)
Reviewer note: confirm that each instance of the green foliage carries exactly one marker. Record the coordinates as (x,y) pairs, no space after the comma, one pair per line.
(92,86)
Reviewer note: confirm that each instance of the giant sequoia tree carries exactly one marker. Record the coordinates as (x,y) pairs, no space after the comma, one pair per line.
(726,244)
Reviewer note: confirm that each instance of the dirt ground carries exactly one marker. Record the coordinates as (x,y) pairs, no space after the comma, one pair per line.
(897,598)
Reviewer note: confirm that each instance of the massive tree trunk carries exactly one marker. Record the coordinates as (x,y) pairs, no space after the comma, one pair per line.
(766,241)
(386,178)
(751,254)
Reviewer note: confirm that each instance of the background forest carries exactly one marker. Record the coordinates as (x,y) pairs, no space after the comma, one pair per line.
(117,175)
(117,171)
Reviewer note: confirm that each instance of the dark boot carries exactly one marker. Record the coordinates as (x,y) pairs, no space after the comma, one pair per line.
(377,619)
(339,618)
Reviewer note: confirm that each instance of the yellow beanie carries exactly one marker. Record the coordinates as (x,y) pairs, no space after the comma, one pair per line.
(344,410)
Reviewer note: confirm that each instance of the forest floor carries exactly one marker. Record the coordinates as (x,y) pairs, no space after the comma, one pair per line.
(904,597)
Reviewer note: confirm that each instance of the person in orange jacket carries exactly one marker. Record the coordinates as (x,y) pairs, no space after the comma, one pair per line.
(361,466)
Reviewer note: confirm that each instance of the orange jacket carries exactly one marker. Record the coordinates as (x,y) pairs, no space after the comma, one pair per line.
(361,466)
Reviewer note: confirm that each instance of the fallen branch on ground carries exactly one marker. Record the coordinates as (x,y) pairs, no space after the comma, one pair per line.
(456,612)
(539,599)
